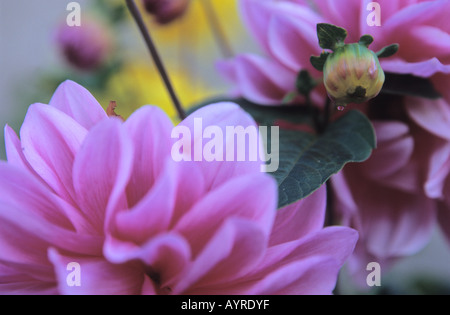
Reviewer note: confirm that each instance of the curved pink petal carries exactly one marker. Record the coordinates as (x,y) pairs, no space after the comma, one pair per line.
(432,115)
(417,14)
(101,171)
(153,213)
(78,103)
(424,69)
(299,219)
(16,282)
(395,223)
(50,140)
(238,199)
(97,276)
(292,41)
(438,171)
(223,117)
(257,13)
(232,252)
(150,130)
(166,257)
(391,154)
(257,81)
(337,242)
(14,151)
(311,276)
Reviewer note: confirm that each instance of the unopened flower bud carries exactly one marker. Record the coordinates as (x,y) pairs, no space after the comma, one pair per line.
(166,11)
(352,74)
(85,47)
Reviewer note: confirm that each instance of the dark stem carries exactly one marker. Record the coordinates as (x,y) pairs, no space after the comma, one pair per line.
(219,34)
(156,58)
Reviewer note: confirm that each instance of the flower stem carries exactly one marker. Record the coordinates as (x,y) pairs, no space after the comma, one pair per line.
(156,58)
(219,34)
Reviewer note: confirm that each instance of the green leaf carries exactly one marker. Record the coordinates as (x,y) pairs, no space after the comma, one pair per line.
(366,40)
(388,51)
(307,161)
(406,84)
(319,62)
(305,83)
(330,36)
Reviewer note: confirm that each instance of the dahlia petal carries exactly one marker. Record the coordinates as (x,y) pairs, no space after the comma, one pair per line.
(223,115)
(50,140)
(101,171)
(299,219)
(311,276)
(397,224)
(336,242)
(423,69)
(97,276)
(432,115)
(257,13)
(150,130)
(14,152)
(438,171)
(166,257)
(78,103)
(417,14)
(284,35)
(153,213)
(14,282)
(25,238)
(233,251)
(392,155)
(239,199)
(431,39)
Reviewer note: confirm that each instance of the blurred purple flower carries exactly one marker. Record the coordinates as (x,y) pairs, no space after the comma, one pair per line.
(81,187)
(166,11)
(85,47)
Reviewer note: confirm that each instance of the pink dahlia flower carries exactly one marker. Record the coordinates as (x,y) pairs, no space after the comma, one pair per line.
(384,198)
(83,188)
(286,31)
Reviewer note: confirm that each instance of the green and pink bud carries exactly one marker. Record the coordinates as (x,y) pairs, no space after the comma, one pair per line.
(352,74)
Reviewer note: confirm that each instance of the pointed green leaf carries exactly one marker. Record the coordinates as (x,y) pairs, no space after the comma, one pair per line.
(319,62)
(307,161)
(330,36)
(366,40)
(388,51)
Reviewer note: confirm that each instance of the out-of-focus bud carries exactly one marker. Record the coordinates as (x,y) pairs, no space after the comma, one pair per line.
(352,74)
(84,47)
(166,11)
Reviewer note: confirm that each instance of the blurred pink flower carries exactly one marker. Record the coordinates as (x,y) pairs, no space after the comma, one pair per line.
(286,31)
(384,199)
(85,47)
(165,11)
(81,187)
